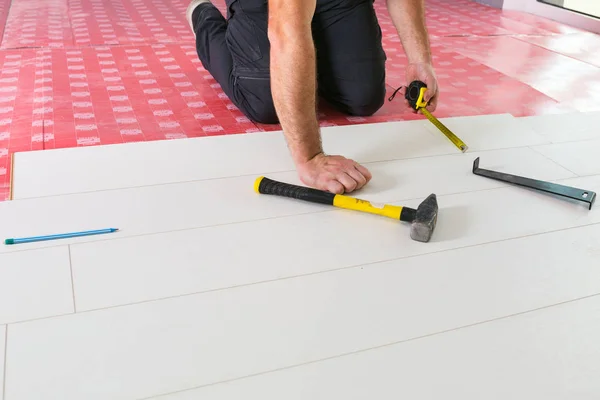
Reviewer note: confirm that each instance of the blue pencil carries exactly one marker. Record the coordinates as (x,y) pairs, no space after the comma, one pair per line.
(59,236)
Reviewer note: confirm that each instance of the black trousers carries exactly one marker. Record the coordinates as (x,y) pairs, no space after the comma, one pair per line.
(348,43)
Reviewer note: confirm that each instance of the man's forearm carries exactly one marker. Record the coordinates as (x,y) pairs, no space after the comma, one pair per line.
(293,85)
(408,17)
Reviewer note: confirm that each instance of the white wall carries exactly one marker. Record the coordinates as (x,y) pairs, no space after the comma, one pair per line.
(555,13)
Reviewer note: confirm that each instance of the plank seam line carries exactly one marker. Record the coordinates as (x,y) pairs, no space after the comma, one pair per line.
(282,171)
(327,209)
(554,161)
(72,280)
(562,142)
(556,52)
(378,347)
(529,147)
(5,361)
(11,182)
(363,265)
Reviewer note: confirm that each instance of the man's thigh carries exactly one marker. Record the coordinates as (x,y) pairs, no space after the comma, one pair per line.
(248,42)
(247,35)
(350,55)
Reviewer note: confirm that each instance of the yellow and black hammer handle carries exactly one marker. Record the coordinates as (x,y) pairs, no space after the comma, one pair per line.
(268,186)
(423,220)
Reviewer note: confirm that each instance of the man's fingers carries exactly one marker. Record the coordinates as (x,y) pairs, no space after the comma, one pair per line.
(432,104)
(345,179)
(364,172)
(355,174)
(334,186)
(431,92)
(428,94)
(336,174)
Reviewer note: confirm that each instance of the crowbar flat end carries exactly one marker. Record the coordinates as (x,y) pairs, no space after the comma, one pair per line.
(476,165)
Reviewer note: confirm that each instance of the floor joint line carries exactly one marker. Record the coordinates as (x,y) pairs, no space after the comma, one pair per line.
(327,210)
(362,265)
(285,171)
(439,333)
(72,280)
(5,361)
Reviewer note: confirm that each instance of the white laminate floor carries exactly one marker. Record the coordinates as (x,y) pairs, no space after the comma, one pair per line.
(211,291)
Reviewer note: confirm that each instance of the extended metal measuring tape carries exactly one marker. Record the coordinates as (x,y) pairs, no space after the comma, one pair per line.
(414,94)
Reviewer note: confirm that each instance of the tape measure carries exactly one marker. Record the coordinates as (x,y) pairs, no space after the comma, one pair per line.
(414,95)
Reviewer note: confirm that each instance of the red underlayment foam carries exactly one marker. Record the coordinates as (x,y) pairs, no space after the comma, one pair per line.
(94,72)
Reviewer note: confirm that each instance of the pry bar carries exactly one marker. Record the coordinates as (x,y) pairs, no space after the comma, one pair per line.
(587,196)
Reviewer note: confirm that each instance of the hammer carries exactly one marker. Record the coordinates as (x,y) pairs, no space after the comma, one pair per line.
(423,219)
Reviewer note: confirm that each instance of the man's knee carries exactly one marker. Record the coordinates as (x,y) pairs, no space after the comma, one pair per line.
(259,105)
(366,101)
(256,100)
(263,113)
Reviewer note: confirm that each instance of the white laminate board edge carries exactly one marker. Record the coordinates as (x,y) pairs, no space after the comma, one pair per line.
(170,207)
(163,346)
(192,261)
(580,157)
(3,344)
(544,354)
(35,284)
(53,172)
(568,127)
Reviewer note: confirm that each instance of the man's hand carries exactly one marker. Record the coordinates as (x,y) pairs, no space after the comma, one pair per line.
(424,72)
(335,174)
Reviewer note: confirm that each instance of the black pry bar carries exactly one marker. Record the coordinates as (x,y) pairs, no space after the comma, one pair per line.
(587,196)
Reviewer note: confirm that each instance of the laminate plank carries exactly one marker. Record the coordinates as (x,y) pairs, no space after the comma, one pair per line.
(161,208)
(579,157)
(547,354)
(569,127)
(164,346)
(94,168)
(115,272)
(35,284)
(2,359)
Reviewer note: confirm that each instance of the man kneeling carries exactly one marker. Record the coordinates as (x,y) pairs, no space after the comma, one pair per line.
(273,58)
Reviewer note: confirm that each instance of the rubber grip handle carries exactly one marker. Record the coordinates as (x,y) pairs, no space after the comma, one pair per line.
(268,186)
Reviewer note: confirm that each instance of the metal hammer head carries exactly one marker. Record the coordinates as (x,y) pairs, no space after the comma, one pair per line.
(425,220)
